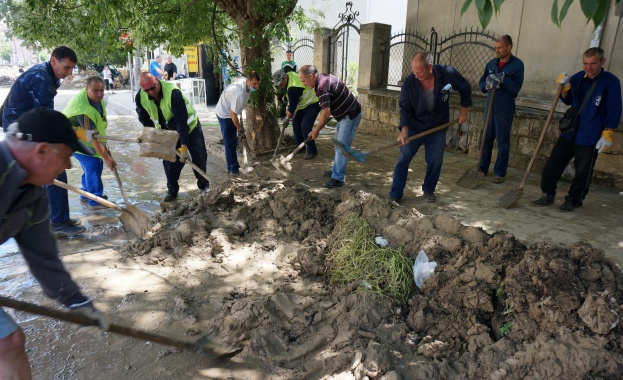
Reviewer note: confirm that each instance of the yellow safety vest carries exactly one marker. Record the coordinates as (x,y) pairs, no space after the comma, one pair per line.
(165,106)
(79,105)
(309,94)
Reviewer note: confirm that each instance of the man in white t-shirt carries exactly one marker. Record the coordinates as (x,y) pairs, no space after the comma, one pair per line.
(108,80)
(230,105)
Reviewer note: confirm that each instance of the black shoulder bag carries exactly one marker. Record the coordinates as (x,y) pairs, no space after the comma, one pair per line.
(569,122)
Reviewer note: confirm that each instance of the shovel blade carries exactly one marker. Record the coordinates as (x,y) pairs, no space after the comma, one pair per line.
(471,179)
(510,197)
(158,143)
(135,221)
(219,343)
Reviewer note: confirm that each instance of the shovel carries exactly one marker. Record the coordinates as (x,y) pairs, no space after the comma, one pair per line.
(513,195)
(283,164)
(243,141)
(361,155)
(473,177)
(153,142)
(132,218)
(192,165)
(283,130)
(207,343)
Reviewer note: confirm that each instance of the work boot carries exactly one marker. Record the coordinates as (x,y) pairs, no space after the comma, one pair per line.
(169,197)
(327,173)
(429,197)
(395,199)
(497,179)
(66,229)
(569,205)
(310,156)
(73,222)
(545,200)
(333,183)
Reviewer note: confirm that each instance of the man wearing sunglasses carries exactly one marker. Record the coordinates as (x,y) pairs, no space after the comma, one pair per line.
(160,104)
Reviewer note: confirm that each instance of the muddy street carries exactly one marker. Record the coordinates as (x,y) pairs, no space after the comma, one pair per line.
(516,293)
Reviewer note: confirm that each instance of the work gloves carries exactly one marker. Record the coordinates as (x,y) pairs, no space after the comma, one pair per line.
(563,79)
(184,155)
(605,142)
(494,81)
(285,124)
(86,309)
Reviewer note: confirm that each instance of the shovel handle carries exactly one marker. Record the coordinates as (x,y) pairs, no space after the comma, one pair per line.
(82,320)
(195,167)
(485,128)
(416,136)
(116,138)
(542,137)
(295,151)
(97,199)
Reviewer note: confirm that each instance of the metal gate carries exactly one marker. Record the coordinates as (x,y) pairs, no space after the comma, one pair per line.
(302,52)
(467,50)
(339,42)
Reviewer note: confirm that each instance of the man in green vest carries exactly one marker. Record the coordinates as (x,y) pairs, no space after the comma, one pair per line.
(87,113)
(303,108)
(160,104)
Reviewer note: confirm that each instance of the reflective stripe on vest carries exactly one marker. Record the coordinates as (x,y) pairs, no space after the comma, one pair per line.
(309,94)
(165,106)
(79,105)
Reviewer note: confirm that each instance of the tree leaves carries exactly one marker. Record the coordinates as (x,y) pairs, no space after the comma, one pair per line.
(595,10)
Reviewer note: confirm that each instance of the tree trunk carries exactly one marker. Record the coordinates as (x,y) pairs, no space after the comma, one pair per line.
(261,126)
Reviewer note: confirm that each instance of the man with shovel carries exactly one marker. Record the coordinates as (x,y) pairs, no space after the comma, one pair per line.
(424,104)
(596,95)
(302,106)
(335,100)
(505,72)
(37,88)
(229,106)
(37,148)
(87,113)
(160,104)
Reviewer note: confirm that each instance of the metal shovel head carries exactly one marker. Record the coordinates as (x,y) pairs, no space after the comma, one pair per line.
(158,143)
(510,197)
(471,179)
(135,221)
(282,166)
(219,343)
(350,152)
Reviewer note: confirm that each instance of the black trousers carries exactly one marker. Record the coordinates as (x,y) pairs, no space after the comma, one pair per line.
(199,155)
(562,153)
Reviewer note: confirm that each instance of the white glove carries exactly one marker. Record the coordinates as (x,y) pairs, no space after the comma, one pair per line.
(562,78)
(87,310)
(605,142)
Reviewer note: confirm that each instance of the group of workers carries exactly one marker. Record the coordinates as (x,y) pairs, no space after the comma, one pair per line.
(39,142)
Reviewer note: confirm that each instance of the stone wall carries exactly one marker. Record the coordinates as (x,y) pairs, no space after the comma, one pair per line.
(381,118)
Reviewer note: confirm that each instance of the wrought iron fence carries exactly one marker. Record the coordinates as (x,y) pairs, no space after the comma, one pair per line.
(467,50)
(302,52)
(340,48)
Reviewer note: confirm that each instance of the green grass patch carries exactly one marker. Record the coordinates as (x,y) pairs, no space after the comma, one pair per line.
(355,257)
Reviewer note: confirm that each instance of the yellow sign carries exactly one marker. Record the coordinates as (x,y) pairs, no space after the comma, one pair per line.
(193,58)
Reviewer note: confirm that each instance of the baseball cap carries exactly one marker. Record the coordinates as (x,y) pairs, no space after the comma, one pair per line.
(45,125)
(278,77)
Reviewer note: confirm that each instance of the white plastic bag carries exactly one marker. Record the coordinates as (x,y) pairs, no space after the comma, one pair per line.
(381,242)
(422,268)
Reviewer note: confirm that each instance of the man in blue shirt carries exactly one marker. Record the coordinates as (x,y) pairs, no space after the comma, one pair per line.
(505,73)
(424,104)
(597,121)
(154,68)
(36,88)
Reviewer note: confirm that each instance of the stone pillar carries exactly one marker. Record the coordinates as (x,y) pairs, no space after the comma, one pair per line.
(373,55)
(322,50)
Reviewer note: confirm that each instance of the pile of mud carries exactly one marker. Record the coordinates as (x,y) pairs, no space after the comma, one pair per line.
(494,308)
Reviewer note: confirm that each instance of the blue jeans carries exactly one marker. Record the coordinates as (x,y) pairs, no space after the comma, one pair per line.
(303,123)
(344,133)
(58,201)
(7,324)
(433,155)
(230,142)
(92,176)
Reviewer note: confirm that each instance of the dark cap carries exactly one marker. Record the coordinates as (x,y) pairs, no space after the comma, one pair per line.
(278,77)
(45,125)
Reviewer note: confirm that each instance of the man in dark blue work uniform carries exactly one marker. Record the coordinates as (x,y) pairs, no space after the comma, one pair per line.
(505,73)
(424,104)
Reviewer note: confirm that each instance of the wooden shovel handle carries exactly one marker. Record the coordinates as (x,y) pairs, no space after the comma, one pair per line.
(542,137)
(192,165)
(485,128)
(82,320)
(97,199)
(416,136)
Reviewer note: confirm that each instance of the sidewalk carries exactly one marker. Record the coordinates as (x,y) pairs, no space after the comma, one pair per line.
(598,221)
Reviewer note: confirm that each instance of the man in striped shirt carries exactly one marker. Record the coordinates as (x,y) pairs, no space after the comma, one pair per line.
(335,100)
